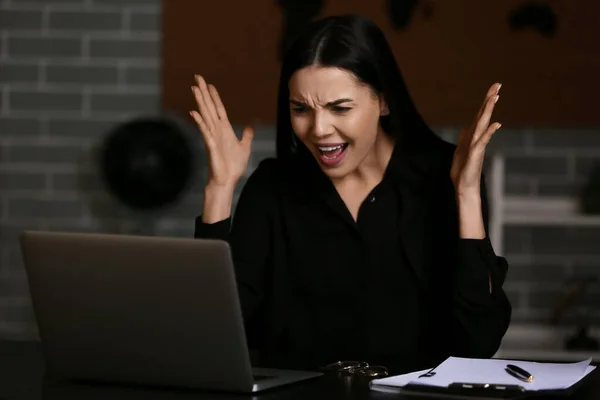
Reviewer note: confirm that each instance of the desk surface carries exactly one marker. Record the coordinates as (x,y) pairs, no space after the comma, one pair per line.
(22,377)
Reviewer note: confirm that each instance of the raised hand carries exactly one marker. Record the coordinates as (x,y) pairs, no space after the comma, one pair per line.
(227,155)
(467,164)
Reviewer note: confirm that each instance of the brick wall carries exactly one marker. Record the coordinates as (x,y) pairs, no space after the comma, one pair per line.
(70,70)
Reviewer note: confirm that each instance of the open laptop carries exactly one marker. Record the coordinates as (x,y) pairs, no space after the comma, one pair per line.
(142,310)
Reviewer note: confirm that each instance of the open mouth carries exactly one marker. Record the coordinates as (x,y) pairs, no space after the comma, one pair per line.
(332,154)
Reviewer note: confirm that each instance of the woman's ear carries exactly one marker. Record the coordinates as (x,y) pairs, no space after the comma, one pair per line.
(383,107)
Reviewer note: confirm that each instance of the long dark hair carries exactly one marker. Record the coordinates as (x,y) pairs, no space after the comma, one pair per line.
(355,44)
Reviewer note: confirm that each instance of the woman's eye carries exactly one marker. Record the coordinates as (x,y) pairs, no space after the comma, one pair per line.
(339,109)
(299,109)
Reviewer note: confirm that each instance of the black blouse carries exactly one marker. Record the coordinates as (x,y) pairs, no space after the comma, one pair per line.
(395,287)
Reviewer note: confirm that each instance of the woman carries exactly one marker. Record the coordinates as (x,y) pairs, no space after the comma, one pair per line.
(366,237)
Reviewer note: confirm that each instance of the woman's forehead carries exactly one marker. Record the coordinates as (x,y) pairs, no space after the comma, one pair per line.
(324,84)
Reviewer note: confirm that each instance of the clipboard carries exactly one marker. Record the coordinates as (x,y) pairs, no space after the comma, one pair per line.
(460,390)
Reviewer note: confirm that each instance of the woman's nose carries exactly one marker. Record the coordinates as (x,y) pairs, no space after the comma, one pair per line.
(322,126)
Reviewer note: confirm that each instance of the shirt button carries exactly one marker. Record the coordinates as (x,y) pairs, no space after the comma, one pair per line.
(372,198)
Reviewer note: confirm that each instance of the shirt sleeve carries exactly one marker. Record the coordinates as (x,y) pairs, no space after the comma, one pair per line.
(477,263)
(217,230)
(481,318)
(249,234)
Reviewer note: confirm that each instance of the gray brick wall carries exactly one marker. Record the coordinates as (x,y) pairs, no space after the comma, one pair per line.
(546,259)
(70,70)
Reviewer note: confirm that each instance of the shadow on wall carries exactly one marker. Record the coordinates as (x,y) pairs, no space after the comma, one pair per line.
(142,169)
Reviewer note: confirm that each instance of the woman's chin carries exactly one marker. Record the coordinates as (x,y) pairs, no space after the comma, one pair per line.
(337,171)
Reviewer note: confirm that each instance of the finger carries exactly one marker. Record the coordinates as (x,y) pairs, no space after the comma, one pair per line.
(492,91)
(206,134)
(207,98)
(247,136)
(214,94)
(209,113)
(462,148)
(202,108)
(484,121)
(489,132)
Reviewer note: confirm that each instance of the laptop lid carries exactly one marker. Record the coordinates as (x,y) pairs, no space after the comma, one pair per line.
(148,310)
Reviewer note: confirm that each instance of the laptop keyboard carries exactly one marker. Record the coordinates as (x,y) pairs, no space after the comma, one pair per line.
(262,377)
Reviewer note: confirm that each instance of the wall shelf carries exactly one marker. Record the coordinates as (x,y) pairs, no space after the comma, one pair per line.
(519,217)
(518,210)
(529,210)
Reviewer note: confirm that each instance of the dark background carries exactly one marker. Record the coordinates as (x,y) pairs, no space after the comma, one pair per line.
(545,53)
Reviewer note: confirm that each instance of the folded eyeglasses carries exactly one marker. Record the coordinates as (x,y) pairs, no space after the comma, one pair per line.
(356,368)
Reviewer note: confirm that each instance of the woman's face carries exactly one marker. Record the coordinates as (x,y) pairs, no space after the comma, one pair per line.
(335,116)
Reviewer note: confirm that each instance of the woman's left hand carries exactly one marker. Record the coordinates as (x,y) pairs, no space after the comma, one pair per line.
(467,163)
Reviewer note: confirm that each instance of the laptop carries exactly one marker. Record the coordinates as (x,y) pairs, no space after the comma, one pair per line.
(142,310)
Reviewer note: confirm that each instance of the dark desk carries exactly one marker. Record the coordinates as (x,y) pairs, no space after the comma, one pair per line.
(22,377)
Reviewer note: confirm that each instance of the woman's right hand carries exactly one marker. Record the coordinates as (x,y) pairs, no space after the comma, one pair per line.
(227,155)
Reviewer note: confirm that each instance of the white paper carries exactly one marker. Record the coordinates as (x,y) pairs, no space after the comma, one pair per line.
(399,380)
(547,376)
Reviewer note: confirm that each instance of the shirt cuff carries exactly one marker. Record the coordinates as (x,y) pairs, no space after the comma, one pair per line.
(474,248)
(218,230)
(477,262)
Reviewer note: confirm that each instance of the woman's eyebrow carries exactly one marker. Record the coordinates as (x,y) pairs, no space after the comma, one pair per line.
(329,104)
(338,102)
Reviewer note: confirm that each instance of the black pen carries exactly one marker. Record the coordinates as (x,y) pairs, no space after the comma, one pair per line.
(519,373)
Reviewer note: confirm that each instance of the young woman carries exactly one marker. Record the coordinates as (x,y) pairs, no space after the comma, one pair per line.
(365,238)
